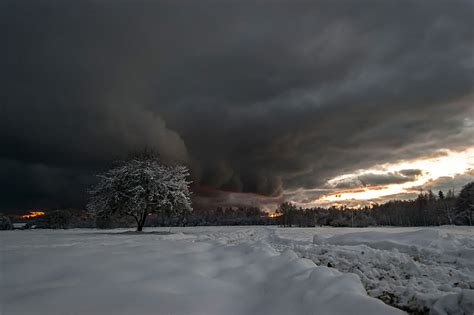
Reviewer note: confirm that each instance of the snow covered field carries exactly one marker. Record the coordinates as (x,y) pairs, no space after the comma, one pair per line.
(238,270)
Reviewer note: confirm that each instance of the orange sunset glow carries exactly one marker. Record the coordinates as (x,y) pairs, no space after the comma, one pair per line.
(448,164)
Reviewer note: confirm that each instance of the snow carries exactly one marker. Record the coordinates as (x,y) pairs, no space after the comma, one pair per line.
(412,268)
(238,270)
(20,225)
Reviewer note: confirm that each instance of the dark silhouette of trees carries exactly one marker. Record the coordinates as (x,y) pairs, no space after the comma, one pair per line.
(56,219)
(450,194)
(428,209)
(240,215)
(287,212)
(441,195)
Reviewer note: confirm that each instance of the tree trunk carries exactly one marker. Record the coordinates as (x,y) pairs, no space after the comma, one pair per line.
(141,222)
(140,225)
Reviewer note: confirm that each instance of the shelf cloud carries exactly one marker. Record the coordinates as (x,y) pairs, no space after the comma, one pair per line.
(265,101)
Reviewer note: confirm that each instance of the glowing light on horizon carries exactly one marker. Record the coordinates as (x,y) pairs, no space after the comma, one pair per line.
(449,164)
(32,214)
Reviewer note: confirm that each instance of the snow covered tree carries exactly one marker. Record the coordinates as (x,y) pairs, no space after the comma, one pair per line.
(465,203)
(141,186)
(57,219)
(5,223)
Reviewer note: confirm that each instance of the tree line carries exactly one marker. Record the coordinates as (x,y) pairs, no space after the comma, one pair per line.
(141,191)
(428,209)
(75,218)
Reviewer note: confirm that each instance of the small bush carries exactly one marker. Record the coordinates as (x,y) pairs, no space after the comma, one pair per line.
(5,223)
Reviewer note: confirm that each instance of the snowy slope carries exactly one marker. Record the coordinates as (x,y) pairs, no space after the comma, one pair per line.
(237,270)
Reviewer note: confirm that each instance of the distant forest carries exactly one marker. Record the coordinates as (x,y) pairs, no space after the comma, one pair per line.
(428,209)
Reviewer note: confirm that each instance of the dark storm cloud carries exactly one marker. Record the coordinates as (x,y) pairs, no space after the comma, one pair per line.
(411,172)
(454,183)
(36,186)
(384,179)
(205,197)
(376,179)
(255,96)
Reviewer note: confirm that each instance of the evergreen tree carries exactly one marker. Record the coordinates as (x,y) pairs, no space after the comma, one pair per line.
(441,195)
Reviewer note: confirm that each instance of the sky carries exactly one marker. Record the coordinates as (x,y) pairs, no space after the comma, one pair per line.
(315,102)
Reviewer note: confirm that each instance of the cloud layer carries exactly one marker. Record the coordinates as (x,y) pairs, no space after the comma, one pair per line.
(259,97)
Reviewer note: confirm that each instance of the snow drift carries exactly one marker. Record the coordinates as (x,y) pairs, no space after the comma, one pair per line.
(424,269)
(79,272)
